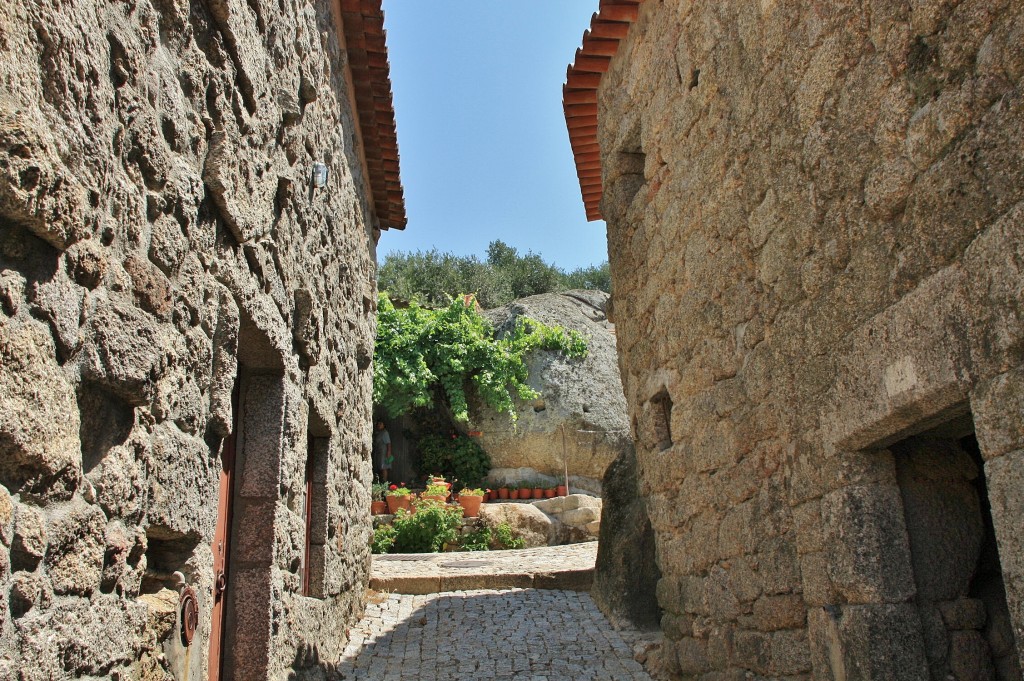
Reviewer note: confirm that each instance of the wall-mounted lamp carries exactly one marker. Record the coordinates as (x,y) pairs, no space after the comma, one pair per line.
(319,177)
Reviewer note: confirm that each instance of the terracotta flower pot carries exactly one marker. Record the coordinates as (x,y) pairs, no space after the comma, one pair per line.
(503,492)
(434,497)
(525,493)
(549,493)
(470,505)
(397,501)
(378,507)
(538,492)
(513,494)
(561,490)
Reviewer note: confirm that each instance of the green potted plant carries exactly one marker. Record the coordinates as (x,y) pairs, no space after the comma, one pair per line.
(525,489)
(549,492)
(398,497)
(439,480)
(470,500)
(513,491)
(435,492)
(538,489)
(377,504)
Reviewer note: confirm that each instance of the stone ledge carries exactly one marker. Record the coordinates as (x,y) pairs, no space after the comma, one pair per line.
(569,568)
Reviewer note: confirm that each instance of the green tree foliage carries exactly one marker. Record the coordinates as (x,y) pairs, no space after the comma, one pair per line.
(458,458)
(424,354)
(435,278)
(593,278)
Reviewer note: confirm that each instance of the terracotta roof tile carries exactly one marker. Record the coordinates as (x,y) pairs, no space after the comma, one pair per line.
(366,44)
(579,94)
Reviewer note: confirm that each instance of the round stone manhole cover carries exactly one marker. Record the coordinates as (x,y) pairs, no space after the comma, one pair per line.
(467,563)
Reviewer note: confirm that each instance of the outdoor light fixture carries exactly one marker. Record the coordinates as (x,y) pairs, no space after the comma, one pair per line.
(319,178)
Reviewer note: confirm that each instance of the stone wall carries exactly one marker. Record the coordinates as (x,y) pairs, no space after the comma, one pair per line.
(161,250)
(816,232)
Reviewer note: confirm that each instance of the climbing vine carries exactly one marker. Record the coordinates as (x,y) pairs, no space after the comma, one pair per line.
(423,354)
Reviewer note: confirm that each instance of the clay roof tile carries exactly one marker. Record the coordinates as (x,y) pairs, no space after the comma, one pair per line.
(579,94)
(366,45)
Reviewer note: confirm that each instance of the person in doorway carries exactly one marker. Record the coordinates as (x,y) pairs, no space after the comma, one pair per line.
(382,457)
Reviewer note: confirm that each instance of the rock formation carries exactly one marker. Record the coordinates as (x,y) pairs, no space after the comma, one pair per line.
(816,234)
(175,296)
(626,573)
(580,398)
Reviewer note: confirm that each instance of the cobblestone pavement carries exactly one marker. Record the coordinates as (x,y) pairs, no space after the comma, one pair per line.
(521,634)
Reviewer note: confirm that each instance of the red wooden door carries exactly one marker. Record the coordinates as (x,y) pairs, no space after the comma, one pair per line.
(222,547)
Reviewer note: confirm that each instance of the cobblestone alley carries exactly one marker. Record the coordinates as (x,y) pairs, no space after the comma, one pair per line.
(498,634)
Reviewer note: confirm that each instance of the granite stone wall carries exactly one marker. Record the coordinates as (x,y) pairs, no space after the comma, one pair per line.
(816,232)
(169,285)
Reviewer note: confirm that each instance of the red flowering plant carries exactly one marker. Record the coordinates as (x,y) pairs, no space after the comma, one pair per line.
(399,490)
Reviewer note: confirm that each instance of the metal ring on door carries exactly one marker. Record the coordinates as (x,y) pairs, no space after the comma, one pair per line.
(188,613)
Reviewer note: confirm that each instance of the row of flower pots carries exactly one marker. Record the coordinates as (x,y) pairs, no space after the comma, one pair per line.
(388,499)
(402,498)
(503,493)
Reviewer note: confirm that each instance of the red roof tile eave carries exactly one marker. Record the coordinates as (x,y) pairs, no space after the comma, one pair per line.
(579,94)
(366,44)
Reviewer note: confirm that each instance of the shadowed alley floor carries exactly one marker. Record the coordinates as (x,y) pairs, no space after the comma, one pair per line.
(529,634)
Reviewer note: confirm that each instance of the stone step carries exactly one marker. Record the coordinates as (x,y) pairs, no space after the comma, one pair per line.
(569,567)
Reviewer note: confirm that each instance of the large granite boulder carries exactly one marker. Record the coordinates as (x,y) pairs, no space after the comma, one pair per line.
(581,399)
(527,522)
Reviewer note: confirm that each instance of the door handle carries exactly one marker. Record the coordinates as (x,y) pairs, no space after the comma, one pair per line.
(221,583)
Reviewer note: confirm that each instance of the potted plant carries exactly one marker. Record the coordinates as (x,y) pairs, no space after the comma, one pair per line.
(439,480)
(561,490)
(398,497)
(513,492)
(525,490)
(435,492)
(538,491)
(470,500)
(503,492)
(549,492)
(377,504)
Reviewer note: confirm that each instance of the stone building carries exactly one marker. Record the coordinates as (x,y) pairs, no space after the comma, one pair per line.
(186,332)
(816,231)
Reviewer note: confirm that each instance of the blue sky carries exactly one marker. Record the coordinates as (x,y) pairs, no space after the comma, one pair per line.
(484,149)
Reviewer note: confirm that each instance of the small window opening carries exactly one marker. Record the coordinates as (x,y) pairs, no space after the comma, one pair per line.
(661,419)
(627,164)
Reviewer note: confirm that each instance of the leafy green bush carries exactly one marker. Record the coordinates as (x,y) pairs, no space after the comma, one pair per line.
(422,354)
(428,529)
(506,539)
(460,458)
(477,540)
(383,539)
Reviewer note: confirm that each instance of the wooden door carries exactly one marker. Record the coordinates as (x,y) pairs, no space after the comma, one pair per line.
(222,545)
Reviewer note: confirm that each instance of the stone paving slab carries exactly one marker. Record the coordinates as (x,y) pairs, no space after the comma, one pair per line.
(548,567)
(504,634)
